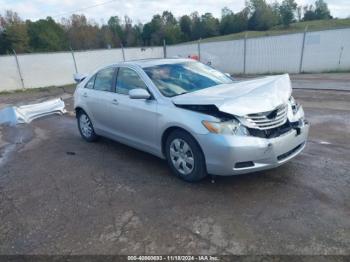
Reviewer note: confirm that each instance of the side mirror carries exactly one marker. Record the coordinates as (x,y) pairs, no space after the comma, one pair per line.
(79,77)
(139,93)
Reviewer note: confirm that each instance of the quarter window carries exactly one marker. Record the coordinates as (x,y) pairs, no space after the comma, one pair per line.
(104,80)
(91,82)
(128,79)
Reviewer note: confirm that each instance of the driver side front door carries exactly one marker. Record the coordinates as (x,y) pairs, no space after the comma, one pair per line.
(134,120)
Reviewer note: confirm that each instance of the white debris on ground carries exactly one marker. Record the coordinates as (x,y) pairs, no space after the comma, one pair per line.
(13,115)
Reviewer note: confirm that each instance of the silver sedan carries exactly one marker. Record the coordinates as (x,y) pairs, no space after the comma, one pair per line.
(200,120)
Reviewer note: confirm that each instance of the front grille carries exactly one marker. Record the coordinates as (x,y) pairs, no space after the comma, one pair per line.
(273,132)
(267,120)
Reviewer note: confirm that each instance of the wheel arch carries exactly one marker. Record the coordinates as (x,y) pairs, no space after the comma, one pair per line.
(171,129)
(79,109)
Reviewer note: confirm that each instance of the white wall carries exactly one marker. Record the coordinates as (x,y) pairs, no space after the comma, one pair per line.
(9,77)
(227,56)
(323,51)
(275,54)
(184,50)
(55,69)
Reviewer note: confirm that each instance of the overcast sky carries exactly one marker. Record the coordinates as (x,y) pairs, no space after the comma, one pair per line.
(139,10)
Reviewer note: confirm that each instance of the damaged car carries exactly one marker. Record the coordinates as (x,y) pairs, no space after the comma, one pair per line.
(197,118)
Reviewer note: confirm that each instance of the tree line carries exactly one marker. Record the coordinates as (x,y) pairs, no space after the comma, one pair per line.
(79,33)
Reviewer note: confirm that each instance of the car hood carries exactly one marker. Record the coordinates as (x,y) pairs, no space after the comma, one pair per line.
(243,97)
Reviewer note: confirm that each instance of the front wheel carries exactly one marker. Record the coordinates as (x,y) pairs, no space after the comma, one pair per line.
(86,128)
(185,157)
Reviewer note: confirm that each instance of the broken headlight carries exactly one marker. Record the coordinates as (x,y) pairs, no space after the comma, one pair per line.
(294,104)
(231,127)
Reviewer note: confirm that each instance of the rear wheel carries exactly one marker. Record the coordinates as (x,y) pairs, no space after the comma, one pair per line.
(86,128)
(185,157)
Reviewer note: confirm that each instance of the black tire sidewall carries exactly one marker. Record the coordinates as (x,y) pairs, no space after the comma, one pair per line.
(199,170)
(93,136)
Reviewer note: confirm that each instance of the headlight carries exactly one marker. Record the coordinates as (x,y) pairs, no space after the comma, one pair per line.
(295,105)
(231,127)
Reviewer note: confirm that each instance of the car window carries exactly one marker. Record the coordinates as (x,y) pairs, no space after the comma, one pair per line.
(104,79)
(180,78)
(128,79)
(91,82)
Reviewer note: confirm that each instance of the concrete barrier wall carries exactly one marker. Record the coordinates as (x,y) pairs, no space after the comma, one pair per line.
(321,51)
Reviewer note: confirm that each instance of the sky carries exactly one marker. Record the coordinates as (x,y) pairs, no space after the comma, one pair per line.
(138,10)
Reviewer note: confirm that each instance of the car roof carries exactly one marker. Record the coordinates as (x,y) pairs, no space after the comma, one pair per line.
(157,61)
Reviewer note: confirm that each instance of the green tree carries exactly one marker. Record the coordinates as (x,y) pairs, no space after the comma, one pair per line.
(321,10)
(186,27)
(147,34)
(262,16)
(234,23)
(171,28)
(287,10)
(318,12)
(81,34)
(309,13)
(210,25)
(116,30)
(46,35)
(13,34)
(227,21)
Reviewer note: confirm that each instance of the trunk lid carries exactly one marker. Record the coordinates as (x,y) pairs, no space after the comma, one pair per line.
(244,97)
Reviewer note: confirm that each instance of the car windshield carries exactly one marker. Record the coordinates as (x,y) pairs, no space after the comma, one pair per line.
(181,78)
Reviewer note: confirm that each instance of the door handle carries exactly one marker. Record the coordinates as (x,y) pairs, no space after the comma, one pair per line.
(85,95)
(115,102)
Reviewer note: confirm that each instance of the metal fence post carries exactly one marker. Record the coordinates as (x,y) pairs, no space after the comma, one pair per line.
(199,49)
(75,63)
(302,51)
(18,68)
(122,47)
(164,48)
(340,54)
(245,53)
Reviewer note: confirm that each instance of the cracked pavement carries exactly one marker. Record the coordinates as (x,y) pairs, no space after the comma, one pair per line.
(61,195)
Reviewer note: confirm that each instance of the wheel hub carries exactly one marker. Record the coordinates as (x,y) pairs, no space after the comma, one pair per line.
(181,156)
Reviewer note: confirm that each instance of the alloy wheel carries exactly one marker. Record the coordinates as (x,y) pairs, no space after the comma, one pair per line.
(181,156)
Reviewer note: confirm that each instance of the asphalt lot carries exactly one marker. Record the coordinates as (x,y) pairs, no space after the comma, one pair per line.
(61,195)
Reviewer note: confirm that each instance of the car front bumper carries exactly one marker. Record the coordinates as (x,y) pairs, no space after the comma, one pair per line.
(231,154)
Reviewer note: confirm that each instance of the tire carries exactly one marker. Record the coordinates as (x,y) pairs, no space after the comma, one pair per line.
(85,127)
(185,157)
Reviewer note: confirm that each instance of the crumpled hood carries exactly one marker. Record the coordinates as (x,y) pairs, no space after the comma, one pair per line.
(244,97)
